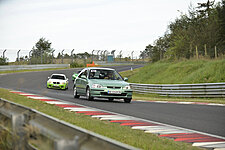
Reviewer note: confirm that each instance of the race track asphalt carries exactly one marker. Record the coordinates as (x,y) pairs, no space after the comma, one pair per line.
(204,118)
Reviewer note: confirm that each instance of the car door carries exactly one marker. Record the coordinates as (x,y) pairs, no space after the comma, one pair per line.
(78,83)
(84,82)
(81,83)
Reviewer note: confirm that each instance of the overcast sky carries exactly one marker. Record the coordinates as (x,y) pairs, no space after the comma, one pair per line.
(86,25)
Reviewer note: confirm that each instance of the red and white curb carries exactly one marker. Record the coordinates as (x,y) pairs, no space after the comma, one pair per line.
(163,130)
(187,103)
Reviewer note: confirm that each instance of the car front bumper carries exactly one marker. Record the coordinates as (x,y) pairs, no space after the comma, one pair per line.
(109,93)
(56,86)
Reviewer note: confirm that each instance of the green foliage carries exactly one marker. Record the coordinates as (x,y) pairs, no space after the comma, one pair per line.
(3,61)
(203,27)
(75,65)
(189,71)
(42,51)
(6,140)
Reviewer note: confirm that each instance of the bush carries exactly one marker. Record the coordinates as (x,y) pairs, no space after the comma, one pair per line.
(75,65)
(3,61)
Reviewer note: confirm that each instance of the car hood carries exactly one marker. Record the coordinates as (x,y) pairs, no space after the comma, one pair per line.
(104,82)
(56,80)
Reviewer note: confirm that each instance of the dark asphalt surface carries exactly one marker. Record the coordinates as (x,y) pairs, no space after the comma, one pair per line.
(208,119)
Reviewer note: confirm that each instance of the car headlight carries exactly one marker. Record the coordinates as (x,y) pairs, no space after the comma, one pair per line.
(97,86)
(50,82)
(126,87)
(63,82)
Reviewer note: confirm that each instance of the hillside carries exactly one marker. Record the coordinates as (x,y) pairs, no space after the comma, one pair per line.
(189,71)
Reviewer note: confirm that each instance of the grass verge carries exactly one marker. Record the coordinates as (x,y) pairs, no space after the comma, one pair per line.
(30,70)
(181,72)
(123,134)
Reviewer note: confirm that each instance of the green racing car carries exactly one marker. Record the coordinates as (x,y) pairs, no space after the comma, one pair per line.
(101,83)
(58,81)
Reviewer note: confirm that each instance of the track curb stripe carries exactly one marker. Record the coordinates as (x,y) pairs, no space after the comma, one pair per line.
(162,130)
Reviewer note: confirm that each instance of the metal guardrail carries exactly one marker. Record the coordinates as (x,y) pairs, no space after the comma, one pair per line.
(34,130)
(182,90)
(105,63)
(26,67)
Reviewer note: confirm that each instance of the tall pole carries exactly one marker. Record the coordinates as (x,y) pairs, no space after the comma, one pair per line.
(18,55)
(4,53)
(104,55)
(62,56)
(30,56)
(92,55)
(205,50)
(101,54)
(113,53)
(72,55)
(120,55)
(196,51)
(215,52)
(132,55)
(41,55)
(52,56)
(97,54)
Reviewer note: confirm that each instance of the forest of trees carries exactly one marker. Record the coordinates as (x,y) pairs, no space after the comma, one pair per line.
(201,32)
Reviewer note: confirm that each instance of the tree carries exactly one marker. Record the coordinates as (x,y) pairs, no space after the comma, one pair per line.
(42,50)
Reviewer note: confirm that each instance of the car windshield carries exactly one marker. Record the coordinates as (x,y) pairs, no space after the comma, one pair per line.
(58,77)
(104,74)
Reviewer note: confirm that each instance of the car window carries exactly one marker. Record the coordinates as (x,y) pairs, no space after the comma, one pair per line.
(83,73)
(104,74)
(58,77)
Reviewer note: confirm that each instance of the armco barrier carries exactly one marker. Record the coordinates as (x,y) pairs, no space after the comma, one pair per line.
(182,90)
(26,67)
(34,130)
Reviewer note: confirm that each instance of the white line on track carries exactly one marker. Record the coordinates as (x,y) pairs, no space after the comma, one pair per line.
(206,143)
(35,97)
(79,109)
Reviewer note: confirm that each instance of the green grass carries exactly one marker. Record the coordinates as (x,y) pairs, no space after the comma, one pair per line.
(189,71)
(123,134)
(30,70)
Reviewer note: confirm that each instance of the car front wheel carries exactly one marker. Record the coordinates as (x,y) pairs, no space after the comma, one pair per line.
(75,95)
(88,94)
(127,100)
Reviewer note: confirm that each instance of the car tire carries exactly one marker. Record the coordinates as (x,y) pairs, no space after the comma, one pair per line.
(88,94)
(111,99)
(75,95)
(127,100)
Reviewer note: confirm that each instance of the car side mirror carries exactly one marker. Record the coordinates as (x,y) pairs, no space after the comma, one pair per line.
(125,79)
(48,77)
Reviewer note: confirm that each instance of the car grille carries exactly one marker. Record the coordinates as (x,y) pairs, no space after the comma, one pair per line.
(106,93)
(56,83)
(113,87)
